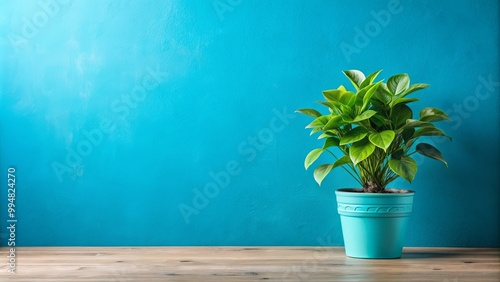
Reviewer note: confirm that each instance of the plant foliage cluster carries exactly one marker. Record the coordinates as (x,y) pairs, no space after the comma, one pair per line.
(374,129)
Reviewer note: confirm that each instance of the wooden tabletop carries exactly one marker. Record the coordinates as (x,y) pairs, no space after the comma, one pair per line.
(246,264)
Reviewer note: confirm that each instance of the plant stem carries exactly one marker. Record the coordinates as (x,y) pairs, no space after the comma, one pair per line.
(355,175)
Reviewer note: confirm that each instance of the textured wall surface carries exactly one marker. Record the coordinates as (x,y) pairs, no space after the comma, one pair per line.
(171,122)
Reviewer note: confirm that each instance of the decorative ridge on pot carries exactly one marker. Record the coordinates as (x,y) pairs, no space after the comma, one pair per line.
(374,204)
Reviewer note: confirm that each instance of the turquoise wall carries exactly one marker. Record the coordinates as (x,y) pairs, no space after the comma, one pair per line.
(171,122)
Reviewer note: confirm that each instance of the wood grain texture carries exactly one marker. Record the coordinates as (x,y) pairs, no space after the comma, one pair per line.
(247,264)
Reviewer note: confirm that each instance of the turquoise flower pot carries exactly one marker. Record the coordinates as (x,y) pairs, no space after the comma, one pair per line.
(374,224)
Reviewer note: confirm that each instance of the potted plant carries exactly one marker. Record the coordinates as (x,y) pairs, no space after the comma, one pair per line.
(372,134)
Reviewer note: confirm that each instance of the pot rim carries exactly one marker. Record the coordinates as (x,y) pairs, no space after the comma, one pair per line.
(359,191)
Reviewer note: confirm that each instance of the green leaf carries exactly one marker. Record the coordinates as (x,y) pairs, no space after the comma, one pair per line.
(342,161)
(432,115)
(331,142)
(429,131)
(400,114)
(347,119)
(321,172)
(361,150)
(332,94)
(326,135)
(399,83)
(334,123)
(369,94)
(379,120)
(361,93)
(341,97)
(383,139)
(430,151)
(348,98)
(369,80)
(354,135)
(319,121)
(355,76)
(364,95)
(329,104)
(412,123)
(398,154)
(309,112)
(383,94)
(365,115)
(316,129)
(408,135)
(415,87)
(406,167)
(401,100)
(312,157)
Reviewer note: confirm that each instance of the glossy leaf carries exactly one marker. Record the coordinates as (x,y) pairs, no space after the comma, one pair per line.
(342,161)
(383,139)
(312,157)
(361,94)
(398,84)
(378,120)
(429,131)
(356,77)
(326,135)
(348,99)
(334,123)
(401,100)
(315,130)
(412,123)
(309,112)
(321,172)
(407,136)
(354,135)
(432,115)
(430,151)
(398,154)
(365,115)
(369,94)
(415,87)
(383,94)
(406,167)
(320,121)
(330,104)
(400,114)
(369,79)
(342,97)
(332,94)
(361,150)
(331,142)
